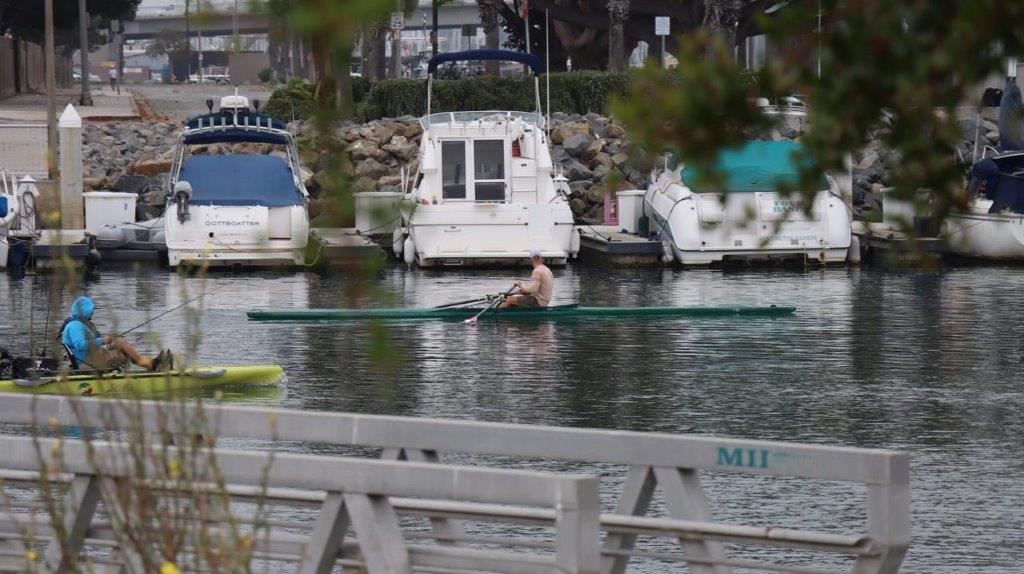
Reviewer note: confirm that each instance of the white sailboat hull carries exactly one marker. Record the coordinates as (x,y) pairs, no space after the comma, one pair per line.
(993,236)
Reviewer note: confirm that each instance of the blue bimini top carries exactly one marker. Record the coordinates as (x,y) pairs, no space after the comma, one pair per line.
(263,180)
(757,166)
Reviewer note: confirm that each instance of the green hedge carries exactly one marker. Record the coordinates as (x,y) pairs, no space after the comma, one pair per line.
(571,92)
(297,100)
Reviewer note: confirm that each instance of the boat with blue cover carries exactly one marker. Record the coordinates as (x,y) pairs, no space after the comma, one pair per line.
(746,214)
(237,196)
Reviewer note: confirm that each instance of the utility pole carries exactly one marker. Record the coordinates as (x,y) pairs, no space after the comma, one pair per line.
(234,29)
(51,81)
(199,34)
(396,40)
(83,32)
(188,47)
(433,32)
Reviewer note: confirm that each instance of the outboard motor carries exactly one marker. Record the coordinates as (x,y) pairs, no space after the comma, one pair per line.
(182,195)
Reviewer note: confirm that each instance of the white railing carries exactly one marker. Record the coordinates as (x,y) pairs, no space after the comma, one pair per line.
(672,463)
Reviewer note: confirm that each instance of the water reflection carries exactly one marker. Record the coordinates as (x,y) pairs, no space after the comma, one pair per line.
(930,363)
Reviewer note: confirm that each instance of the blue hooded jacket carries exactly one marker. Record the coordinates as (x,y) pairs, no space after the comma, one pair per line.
(78,333)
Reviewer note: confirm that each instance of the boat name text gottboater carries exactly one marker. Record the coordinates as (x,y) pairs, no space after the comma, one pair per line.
(231,223)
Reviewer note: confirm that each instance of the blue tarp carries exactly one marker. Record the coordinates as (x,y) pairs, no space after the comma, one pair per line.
(756,166)
(240,180)
(499,55)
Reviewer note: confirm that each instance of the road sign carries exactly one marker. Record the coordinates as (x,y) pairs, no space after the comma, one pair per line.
(662,25)
(397,20)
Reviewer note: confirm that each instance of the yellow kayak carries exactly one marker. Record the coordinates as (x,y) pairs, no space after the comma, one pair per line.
(142,383)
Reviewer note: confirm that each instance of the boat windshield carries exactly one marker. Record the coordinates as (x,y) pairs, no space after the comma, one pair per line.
(493,115)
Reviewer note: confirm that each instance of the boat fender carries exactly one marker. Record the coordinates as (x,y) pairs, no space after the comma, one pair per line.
(182,195)
(397,241)
(574,242)
(667,255)
(853,255)
(409,251)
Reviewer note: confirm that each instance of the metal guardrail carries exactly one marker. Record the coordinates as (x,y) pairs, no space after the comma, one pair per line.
(23,149)
(671,463)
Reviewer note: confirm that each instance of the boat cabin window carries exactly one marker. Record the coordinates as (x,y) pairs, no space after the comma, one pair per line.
(489,170)
(453,169)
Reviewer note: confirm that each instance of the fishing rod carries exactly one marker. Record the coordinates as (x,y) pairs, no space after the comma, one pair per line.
(203,294)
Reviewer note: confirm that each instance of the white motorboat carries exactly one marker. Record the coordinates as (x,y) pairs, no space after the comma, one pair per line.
(748,218)
(992,225)
(17,219)
(486,192)
(229,204)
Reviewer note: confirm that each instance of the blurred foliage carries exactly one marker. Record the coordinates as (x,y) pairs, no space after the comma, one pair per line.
(571,92)
(895,69)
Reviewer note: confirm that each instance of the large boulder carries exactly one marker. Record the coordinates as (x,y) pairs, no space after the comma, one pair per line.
(576,171)
(565,130)
(151,167)
(130,184)
(576,144)
(613,131)
(592,150)
(371,168)
(364,149)
(364,184)
(601,159)
(401,147)
(383,132)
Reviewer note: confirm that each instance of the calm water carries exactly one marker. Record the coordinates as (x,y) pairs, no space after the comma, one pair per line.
(926,363)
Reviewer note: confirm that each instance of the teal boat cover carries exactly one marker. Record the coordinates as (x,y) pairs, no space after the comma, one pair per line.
(756,166)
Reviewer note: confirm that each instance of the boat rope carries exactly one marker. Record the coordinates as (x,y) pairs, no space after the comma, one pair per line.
(316,257)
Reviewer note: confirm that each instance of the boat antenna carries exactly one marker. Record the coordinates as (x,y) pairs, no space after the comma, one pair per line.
(204,293)
(547,68)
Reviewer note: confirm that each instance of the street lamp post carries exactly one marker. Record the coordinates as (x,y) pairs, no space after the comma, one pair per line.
(188,47)
(83,32)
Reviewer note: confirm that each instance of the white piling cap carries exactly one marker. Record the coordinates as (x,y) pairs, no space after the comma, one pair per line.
(70,118)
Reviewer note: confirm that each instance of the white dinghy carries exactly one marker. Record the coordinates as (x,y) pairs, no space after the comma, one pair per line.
(486,192)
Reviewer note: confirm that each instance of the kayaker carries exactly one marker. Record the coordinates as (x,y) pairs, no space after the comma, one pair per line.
(103,352)
(537,292)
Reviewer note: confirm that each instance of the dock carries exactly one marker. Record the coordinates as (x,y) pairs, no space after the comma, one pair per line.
(883,244)
(609,245)
(57,247)
(339,245)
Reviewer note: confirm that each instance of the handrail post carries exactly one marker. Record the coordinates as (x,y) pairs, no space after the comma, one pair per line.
(888,519)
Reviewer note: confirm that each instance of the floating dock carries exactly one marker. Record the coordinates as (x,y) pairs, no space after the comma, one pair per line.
(883,244)
(339,245)
(609,245)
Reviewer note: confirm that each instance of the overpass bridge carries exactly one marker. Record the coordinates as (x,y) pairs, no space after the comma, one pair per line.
(222,20)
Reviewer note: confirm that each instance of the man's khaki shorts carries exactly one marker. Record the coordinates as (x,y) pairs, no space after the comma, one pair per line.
(527,301)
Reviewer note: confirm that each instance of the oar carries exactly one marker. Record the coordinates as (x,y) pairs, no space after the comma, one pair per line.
(466,302)
(491,306)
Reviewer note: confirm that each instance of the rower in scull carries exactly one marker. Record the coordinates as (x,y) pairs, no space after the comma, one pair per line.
(537,292)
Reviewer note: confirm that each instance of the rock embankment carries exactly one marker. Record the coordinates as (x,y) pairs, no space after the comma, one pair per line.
(591,151)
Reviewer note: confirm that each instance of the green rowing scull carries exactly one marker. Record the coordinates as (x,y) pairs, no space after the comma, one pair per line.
(547,313)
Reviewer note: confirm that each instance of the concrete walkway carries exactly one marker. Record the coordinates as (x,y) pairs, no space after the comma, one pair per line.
(107,104)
